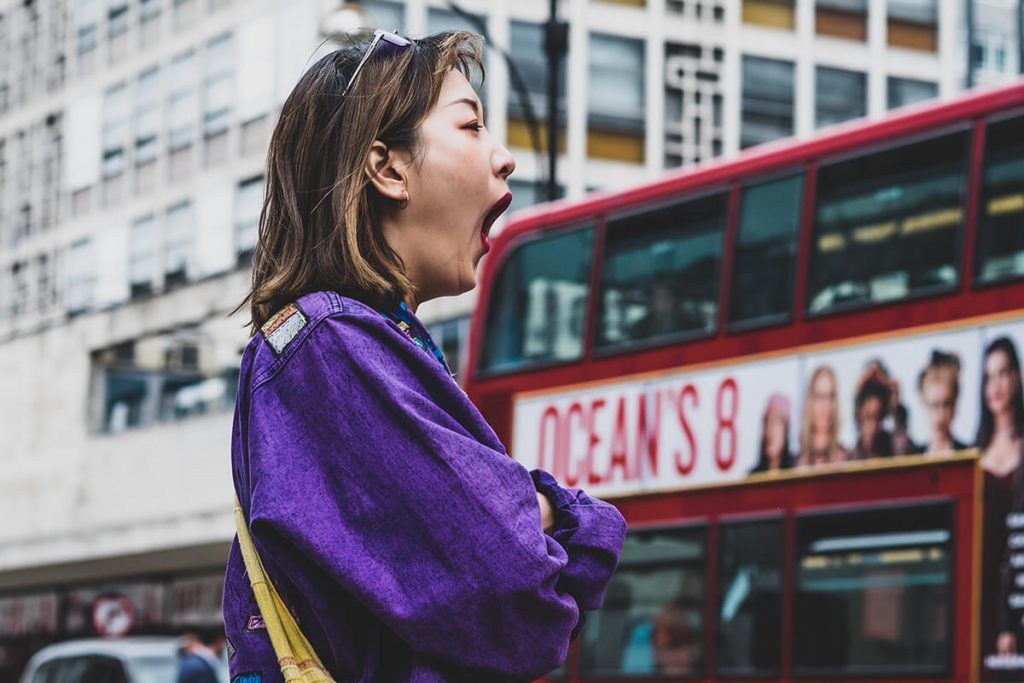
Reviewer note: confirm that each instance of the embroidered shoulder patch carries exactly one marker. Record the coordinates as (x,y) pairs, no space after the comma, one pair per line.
(255,623)
(283,327)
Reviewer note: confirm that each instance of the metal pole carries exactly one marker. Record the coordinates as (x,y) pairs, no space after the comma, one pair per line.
(556,44)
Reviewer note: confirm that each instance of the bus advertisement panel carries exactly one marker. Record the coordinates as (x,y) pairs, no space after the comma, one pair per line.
(933,390)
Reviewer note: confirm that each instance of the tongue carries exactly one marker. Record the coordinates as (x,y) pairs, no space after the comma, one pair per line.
(486,241)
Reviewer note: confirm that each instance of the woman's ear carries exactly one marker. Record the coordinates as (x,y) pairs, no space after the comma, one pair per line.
(386,169)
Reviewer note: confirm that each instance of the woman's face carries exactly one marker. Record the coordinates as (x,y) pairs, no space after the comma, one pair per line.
(774,434)
(1001,382)
(940,402)
(823,397)
(456,184)
(869,419)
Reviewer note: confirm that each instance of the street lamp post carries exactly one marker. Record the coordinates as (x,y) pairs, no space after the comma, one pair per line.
(556,44)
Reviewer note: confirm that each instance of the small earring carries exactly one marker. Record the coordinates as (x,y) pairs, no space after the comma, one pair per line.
(405,201)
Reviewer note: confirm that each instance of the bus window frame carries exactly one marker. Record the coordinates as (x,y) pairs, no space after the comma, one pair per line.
(803,169)
(517,243)
(705,524)
(964,126)
(766,516)
(949,504)
(977,284)
(725,188)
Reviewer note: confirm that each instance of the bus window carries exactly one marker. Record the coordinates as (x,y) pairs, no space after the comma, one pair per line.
(748,642)
(652,622)
(660,272)
(539,302)
(888,225)
(874,592)
(1001,213)
(762,281)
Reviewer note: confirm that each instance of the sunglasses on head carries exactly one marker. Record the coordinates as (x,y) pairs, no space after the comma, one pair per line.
(388,38)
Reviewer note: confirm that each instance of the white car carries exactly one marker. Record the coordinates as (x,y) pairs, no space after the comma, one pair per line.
(137,659)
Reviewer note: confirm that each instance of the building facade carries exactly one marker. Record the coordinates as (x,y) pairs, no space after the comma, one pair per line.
(132,143)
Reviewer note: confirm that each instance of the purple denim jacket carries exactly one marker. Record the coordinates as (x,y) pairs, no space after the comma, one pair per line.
(386,511)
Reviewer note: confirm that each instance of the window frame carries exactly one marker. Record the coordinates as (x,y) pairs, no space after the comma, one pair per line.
(977,186)
(887,145)
(598,352)
(595,223)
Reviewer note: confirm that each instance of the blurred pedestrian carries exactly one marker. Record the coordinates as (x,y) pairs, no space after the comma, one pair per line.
(405,541)
(200,657)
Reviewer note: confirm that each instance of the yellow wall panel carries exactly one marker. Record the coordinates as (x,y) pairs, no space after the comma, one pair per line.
(851,25)
(913,36)
(773,14)
(519,135)
(615,146)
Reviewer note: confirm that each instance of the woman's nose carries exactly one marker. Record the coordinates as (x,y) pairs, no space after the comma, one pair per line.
(504,162)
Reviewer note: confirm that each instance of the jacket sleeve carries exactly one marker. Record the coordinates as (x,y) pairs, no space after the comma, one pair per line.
(356,468)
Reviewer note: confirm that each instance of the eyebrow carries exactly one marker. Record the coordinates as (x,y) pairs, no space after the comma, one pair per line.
(467,100)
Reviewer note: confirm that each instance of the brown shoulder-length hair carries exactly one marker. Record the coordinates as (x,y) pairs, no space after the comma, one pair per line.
(319,226)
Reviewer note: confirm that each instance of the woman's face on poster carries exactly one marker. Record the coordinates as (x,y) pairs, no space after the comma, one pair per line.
(823,398)
(869,418)
(774,434)
(940,403)
(1002,382)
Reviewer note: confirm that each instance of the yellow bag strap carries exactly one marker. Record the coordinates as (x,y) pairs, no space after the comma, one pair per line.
(295,655)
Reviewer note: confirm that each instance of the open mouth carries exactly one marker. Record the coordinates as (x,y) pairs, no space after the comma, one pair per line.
(485,228)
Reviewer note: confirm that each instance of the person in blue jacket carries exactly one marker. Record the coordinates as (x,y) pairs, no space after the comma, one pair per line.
(407,543)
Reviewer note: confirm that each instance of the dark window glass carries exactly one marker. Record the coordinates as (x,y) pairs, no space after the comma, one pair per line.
(904,91)
(652,622)
(526,42)
(762,281)
(539,303)
(841,96)
(874,592)
(660,272)
(767,109)
(749,639)
(1001,212)
(888,225)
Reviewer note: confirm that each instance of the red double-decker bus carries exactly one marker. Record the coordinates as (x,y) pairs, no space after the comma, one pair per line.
(797,375)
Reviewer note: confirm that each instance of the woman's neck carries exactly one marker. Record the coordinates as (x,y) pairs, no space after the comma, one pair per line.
(1004,425)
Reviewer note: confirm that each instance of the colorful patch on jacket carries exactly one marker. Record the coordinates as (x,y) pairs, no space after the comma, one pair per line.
(255,623)
(251,677)
(283,327)
(230,647)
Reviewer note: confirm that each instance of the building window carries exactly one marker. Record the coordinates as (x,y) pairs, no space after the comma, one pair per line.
(767,109)
(887,225)
(988,52)
(771,13)
(526,47)
(19,288)
(80,276)
(904,91)
(693,103)
(913,24)
(178,243)
(117,29)
(529,192)
(184,13)
(248,204)
(842,19)
(142,258)
(182,102)
(389,16)
(115,130)
(46,293)
(615,98)
(218,92)
(149,24)
(87,21)
(840,96)
(652,622)
(147,126)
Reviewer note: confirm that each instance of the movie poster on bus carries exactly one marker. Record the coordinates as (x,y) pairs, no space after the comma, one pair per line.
(932,393)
